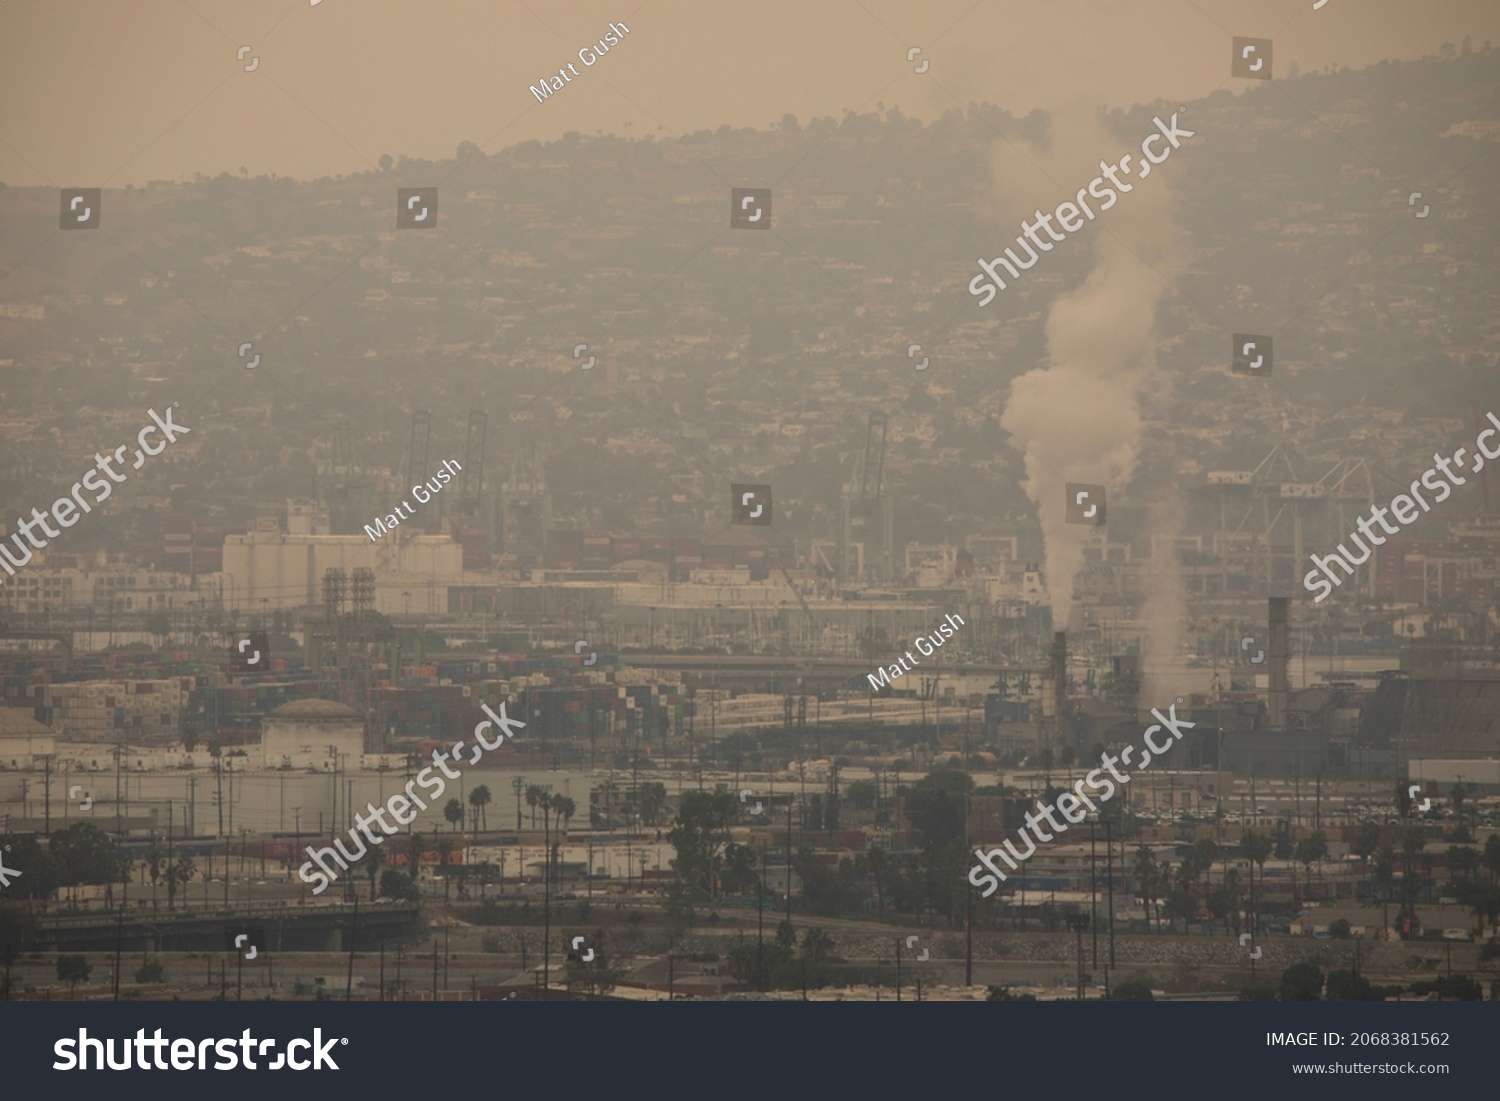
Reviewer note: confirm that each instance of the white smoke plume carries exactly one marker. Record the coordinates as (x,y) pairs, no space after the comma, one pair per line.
(1077,418)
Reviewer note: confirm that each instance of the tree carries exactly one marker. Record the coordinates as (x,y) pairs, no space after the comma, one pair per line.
(1339,929)
(1146,880)
(151,971)
(1347,985)
(416,845)
(595,977)
(1257,849)
(83,854)
(1491,857)
(817,946)
(1463,863)
(534,798)
(1456,987)
(444,849)
(738,875)
(1301,982)
(39,877)
(698,834)
(564,807)
(399,886)
(160,627)
(652,797)
(1366,841)
(935,806)
(1310,850)
(17,931)
(73,970)
(155,860)
(181,875)
(385,162)
(880,866)
(479,798)
(860,794)
(372,862)
(453,811)
(1133,989)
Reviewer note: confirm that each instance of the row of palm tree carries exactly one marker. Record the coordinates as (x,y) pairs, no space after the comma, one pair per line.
(560,805)
(537,798)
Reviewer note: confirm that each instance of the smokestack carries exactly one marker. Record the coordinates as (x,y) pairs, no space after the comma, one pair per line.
(1279,656)
(1060,681)
(1489,480)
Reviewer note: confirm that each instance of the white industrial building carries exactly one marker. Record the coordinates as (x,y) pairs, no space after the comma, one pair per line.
(312,734)
(270,568)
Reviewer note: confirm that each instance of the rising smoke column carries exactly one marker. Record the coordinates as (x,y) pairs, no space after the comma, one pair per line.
(1077,418)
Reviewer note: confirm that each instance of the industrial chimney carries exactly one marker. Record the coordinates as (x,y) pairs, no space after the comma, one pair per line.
(1279,657)
(1060,682)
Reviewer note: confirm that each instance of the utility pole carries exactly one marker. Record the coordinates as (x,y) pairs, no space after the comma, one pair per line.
(1109,848)
(789,860)
(898,969)
(354,932)
(119,940)
(1094,893)
(1078,923)
(547,913)
(968,902)
(760,921)
(969,938)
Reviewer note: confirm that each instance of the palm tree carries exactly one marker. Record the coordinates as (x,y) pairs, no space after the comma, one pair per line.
(73,970)
(1145,879)
(453,811)
(880,864)
(1232,890)
(1491,857)
(1367,840)
(444,849)
(1256,849)
(156,860)
(479,798)
(564,808)
(372,866)
(182,873)
(534,796)
(127,871)
(544,804)
(817,945)
(653,796)
(414,846)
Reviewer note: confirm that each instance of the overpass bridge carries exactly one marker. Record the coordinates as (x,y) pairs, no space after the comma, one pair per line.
(289,926)
(769,673)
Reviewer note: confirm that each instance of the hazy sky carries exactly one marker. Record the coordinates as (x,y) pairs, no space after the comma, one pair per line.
(105,92)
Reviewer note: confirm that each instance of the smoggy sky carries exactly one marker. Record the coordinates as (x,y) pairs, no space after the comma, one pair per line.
(109,92)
